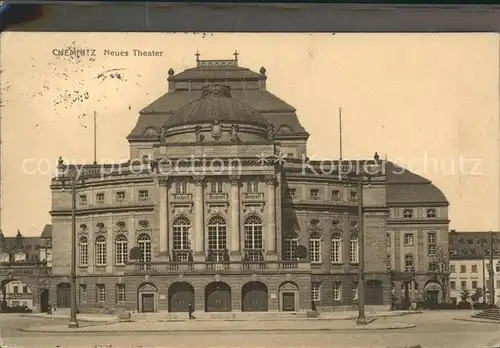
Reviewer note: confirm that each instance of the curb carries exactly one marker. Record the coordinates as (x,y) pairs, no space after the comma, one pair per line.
(223,330)
(481,321)
(59,318)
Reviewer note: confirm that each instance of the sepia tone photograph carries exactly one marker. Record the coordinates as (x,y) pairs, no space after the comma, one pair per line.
(249,190)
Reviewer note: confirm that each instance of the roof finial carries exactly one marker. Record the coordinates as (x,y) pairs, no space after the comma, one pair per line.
(197,56)
(376,157)
(235,54)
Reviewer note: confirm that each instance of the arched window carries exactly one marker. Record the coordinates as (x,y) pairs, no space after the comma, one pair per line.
(354,248)
(291,243)
(217,237)
(121,250)
(181,228)
(84,251)
(144,243)
(336,248)
(315,248)
(253,238)
(253,232)
(100,251)
(217,233)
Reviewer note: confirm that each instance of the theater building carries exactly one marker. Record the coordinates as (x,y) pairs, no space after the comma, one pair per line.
(216,207)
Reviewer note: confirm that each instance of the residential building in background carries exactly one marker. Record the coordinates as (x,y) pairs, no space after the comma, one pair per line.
(470,262)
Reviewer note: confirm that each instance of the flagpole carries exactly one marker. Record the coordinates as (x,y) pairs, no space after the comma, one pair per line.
(95,138)
(340,132)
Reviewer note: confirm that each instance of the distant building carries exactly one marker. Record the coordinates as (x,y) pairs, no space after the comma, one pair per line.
(22,256)
(470,264)
(228,239)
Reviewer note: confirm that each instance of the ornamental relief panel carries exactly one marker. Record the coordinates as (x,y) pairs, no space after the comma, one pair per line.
(100,229)
(143,226)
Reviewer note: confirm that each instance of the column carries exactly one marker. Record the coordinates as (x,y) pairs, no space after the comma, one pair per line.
(271,213)
(235,214)
(164,247)
(198,217)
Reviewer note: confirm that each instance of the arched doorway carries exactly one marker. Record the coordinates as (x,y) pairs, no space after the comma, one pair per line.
(254,297)
(147,298)
(44,300)
(374,293)
(218,297)
(432,293)
(180,295)
(63,292)
(288,297)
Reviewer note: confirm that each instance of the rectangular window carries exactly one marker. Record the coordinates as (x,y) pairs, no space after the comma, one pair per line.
(474,284)
(216,187)
(452,268)
(336,249)
(353,196)
(83,199)
(101,293)
(120,293)
(25,303)
(354,251)
(291,192)
(388,239)
(315,291)
(431,243)
(408,239)
(143,194)
(99,197)
(25,289)
(181,187)
(120,195)
(16,290)
(315,250)
(336,195)
(253,186)
(453,285)
(463,268)
(474,269)
(314,193)
(337,288)
(408,262)
(463,285)
(82,293)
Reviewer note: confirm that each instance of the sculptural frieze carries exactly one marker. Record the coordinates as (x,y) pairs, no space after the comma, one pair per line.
(216,130)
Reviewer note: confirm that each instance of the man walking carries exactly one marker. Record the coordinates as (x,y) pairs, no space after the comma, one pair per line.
(190,309)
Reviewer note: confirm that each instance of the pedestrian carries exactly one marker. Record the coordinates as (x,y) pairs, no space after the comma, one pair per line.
(49,309)
(190,310)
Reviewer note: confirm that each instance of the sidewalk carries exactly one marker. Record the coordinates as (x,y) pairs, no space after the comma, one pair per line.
(225,326)
(164,317)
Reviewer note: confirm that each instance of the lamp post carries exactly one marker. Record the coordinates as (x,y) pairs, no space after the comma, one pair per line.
(73,179)
(360,178)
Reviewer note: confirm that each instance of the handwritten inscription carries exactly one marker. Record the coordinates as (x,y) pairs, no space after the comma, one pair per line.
(92,52)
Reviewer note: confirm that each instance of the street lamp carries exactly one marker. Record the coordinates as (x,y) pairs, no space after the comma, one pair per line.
(72,178)
(371,170)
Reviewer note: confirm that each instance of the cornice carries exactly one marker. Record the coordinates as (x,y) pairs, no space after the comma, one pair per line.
(316,206)
(407,222)
(104,210)
(414,204)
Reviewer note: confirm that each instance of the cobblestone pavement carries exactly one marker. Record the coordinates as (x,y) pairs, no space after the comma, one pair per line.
(434,329)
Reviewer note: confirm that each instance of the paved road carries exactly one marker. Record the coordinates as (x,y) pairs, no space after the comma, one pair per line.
(435,329)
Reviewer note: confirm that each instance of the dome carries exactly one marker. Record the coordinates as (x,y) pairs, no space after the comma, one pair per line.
(216,103)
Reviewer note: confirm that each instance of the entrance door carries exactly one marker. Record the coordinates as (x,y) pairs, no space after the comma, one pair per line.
(288,302)
(218,297)
(63,295)
(148,303)
(254,296)
(432,298)
(180,299)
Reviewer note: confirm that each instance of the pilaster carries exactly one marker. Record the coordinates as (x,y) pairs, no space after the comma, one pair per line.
(198,239)
(235,218)
(271,183)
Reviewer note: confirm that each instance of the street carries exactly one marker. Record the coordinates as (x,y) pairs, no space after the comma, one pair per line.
(434,329)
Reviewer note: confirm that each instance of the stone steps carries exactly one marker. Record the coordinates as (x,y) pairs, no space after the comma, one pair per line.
(490,314)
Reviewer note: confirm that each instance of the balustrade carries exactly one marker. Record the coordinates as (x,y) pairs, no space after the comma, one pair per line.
(217,197)
(253,196)
(181,197)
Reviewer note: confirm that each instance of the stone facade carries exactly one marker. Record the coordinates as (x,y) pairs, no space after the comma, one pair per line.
(218,208)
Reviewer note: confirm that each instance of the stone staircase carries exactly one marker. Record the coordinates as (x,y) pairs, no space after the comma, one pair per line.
(240,316)
(489,314)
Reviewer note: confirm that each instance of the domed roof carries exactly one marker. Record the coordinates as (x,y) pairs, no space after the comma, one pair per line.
(216,104)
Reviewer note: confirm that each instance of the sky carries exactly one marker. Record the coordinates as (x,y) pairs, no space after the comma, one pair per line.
(429,102)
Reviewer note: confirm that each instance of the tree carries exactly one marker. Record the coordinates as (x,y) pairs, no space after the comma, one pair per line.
(464,295)
(477,295)
(440,263)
